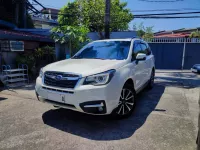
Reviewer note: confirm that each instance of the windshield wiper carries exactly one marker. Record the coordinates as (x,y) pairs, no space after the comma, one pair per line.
(99,58)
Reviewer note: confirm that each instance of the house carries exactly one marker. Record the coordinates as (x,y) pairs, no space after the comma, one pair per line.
(180,33)
(14,42)
(50,13)
(47,19)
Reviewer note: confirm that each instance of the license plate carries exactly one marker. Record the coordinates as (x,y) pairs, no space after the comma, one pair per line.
(56,97)
(194,70)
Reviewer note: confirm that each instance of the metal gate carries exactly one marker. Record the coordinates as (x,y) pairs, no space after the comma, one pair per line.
(175,53)
(192,55)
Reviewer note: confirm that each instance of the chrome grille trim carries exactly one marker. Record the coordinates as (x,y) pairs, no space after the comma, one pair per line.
(57,90)
(66,80)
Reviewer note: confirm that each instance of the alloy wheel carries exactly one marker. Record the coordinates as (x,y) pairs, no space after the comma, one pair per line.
(126,102)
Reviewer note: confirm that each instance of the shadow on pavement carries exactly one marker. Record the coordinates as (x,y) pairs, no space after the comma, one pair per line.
(26,87)
(182,82)
(2,98)
(103,127)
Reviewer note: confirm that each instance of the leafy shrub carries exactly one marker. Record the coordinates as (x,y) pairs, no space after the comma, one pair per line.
(26,59)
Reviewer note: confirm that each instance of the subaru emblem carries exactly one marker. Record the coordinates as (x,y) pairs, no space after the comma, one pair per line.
(59,77)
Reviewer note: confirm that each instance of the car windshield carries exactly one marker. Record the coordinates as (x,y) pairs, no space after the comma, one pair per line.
(105,50)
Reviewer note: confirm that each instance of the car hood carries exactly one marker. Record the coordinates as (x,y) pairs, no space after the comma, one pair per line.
(84,67)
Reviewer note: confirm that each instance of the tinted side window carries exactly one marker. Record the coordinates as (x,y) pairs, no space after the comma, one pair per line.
(136,49)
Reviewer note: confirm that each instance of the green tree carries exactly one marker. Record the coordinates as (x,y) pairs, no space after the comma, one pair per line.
(140,29)
(70,14)
(195,34)
(148,33)
(77,18)
(74,36)
(144,32)
(90,13)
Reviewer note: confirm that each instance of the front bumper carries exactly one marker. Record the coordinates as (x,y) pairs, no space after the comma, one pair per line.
(83,98)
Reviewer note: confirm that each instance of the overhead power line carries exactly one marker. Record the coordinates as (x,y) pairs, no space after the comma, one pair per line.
(143,16)
(166,17)
(163,14)
(39,4)
(162,1)
(151,10)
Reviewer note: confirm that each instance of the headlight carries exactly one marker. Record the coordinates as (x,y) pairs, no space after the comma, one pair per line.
(99,79)
(41,73)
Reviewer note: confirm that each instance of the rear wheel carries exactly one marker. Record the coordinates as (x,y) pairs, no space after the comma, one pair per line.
(126,103)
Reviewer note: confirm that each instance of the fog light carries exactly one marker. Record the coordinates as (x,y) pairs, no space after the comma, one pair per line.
(94,107)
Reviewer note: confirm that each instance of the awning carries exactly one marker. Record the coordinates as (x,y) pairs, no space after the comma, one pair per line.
(18,35)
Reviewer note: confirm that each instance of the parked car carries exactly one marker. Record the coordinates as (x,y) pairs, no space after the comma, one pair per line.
(196,68)
(102,78)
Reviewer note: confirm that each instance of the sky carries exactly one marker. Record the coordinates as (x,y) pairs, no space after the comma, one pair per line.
(158,24)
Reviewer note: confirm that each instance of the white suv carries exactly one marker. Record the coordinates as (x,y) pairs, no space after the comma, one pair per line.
(102,78)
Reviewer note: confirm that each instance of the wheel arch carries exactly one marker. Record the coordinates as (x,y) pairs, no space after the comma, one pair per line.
(130,83)
(153,69)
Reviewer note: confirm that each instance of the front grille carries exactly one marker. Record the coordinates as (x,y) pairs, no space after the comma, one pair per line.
(65,80)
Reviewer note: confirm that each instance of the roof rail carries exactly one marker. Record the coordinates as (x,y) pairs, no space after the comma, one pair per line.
(134,37)
(137,37)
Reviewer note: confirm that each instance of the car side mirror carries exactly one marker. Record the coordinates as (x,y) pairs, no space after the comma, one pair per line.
(141,56)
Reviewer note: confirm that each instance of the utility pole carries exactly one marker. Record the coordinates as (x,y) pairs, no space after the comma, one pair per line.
(24,14)
(107,19)
(17,13)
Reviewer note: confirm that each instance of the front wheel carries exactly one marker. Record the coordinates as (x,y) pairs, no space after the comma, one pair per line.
(126,103)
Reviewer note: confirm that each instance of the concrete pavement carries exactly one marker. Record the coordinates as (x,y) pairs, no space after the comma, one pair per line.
(165,118)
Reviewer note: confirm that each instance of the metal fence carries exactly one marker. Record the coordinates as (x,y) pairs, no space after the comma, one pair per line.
(175,53)
(173,40)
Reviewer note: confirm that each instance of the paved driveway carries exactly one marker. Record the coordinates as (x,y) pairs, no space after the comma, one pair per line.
(165,118)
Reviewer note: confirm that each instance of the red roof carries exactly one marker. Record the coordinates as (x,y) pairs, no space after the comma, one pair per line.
(178,35)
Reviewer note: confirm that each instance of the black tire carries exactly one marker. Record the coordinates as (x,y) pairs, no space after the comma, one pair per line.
(126,104)
(151,80)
